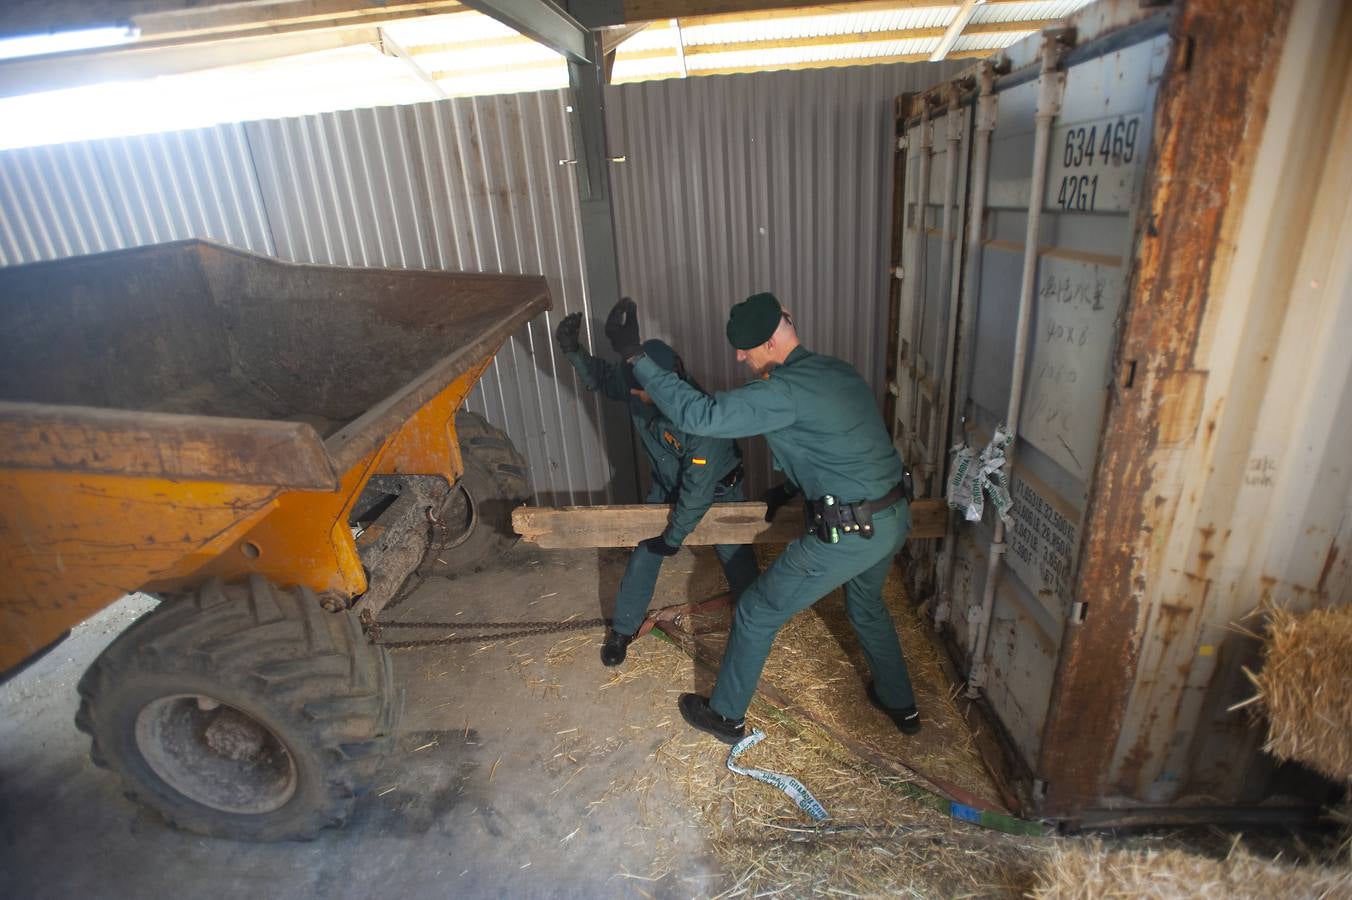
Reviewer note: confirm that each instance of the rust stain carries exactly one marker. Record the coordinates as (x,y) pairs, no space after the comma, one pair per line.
(1332,557)
(1208,114)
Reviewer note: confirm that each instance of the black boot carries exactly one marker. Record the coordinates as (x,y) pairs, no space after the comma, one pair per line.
(907,719)
(698,714)
(614,649)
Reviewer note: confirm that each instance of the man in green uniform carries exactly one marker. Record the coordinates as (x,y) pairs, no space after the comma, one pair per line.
(691,471)
(825,433)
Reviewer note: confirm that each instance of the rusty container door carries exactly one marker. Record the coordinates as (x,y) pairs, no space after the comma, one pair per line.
(1099,146)
(933,166)
(1222,482)
(1153,298)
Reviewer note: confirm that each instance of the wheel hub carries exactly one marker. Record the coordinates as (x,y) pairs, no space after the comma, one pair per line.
(215,754)
(459,516)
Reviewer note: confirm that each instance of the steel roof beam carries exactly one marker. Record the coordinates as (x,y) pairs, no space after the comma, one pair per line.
(542,21)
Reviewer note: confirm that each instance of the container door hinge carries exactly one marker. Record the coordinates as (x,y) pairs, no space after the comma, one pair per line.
(1078,610)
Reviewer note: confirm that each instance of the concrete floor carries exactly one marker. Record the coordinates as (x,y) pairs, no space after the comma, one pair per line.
(512,775)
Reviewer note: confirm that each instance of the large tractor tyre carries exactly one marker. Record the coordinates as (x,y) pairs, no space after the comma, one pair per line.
(475,522)
(242,711)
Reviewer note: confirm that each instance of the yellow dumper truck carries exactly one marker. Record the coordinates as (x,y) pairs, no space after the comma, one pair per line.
(270,448)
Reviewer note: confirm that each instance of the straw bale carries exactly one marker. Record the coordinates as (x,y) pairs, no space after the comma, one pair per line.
(1086,871)
(1305,688)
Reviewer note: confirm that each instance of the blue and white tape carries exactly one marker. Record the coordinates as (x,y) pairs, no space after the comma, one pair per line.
(791,786)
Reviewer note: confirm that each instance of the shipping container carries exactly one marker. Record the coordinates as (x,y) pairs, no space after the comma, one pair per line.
(1122,241)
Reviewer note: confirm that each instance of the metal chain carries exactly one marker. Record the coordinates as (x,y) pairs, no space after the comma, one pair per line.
(518,629)
(376,630)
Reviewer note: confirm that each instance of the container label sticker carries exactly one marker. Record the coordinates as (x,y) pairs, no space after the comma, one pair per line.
(1041,542)
(1094,164)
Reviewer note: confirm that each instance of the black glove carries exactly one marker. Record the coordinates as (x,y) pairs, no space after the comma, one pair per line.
(567,332)
(659,546)
(622,329)
(776,497)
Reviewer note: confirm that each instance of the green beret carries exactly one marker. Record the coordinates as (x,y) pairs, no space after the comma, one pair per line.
(753,321)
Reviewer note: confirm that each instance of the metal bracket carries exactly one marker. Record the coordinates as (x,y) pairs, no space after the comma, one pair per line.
(1052,84)
(955,120)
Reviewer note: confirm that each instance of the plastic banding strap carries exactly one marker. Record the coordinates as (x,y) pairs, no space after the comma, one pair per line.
(789,785)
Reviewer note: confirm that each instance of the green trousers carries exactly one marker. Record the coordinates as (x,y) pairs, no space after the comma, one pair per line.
(640,576)
(806,571)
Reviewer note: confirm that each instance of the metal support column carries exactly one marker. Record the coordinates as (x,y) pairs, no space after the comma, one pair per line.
(592,161)
(591,164)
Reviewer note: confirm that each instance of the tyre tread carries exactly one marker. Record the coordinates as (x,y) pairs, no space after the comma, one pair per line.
(312,668)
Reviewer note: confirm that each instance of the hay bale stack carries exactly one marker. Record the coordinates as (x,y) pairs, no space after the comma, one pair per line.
(1084,871)
(1305,687)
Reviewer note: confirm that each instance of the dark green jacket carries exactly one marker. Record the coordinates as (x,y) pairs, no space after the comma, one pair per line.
(816,412)
(685,467)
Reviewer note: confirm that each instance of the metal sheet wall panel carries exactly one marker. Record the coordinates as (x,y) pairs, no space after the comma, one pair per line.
(72,199)
(774,181)
(471,184)
(731,184)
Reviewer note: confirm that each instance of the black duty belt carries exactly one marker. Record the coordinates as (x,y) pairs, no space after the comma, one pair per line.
(829,518)
(732,477)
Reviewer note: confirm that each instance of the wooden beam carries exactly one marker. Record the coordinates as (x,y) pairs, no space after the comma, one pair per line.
(863,37)
(826,40)
(219,21)
(579,527)
(56,71)
(390,47)
(238,40)
(705,12)
(612,38)
(181,18)
(814,64)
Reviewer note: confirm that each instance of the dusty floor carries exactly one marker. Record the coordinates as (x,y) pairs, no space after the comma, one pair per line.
(526,769)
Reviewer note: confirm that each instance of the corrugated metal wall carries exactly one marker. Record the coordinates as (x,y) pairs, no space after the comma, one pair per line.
(776,181)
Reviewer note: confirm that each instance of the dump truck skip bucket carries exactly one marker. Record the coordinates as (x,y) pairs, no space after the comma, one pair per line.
(160,404)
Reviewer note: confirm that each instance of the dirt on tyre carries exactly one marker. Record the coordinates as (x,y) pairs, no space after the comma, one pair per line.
(476,519)
(242,711)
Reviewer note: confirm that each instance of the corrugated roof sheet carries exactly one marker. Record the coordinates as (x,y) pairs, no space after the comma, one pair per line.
(989,41)
(471,54)
(785,56)
(818,26)
(1033,10)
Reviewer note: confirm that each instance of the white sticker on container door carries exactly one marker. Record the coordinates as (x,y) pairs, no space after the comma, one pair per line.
(1077,306)
(1094,165)
(1041,543)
